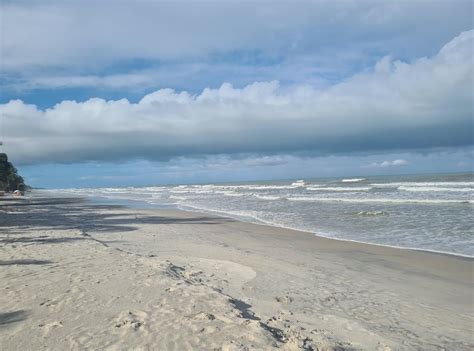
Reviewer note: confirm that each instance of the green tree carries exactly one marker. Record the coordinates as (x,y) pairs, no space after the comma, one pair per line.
(9,178)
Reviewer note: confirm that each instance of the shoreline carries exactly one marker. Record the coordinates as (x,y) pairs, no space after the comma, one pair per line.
(319,235)
(337,243)
(109,276)
(223,214)
(198,211)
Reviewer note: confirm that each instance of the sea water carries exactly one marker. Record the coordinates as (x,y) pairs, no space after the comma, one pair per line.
(427,212)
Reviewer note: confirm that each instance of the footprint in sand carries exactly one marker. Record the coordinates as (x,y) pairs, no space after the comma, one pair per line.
(49,327)
(203,315)
(284,299)
(132,320)
(329,301)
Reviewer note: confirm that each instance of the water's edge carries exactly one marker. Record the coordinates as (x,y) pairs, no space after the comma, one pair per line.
(137,204)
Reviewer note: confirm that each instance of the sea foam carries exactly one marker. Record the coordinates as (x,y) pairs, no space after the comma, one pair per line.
(352,180)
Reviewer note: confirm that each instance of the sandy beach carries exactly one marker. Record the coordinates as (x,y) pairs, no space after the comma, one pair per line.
(76,275)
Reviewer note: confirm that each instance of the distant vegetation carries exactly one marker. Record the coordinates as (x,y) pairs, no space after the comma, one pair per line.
(9,178)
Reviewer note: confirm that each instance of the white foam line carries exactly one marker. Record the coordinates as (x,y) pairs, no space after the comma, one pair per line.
(220,213)
(339,188)
(229,193)
(434,184)
(243,187)
(396,201)
(432,188)
(352,180)
(269,198)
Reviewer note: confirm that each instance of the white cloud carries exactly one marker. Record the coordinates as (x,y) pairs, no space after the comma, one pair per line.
(394,163)
(423,104)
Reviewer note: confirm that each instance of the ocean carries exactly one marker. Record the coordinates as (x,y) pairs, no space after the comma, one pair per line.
(426,212)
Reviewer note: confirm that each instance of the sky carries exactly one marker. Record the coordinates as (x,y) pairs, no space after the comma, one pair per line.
(120,93)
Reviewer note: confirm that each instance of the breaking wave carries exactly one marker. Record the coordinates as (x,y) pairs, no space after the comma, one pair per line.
(268,197)
(353,180)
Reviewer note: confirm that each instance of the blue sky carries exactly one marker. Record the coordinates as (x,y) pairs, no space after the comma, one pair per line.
(124,92)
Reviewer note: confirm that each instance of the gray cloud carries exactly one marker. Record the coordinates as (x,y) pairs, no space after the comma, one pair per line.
(397,105)
(70,39)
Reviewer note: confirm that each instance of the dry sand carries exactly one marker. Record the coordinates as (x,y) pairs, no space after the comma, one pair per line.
(79,276)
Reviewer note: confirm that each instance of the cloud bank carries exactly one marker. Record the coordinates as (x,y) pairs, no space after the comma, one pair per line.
(59,33)
(143,45)
(396,105)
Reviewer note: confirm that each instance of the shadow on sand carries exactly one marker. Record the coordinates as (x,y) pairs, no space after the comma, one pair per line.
(12,317)
(24,262)
(76,213)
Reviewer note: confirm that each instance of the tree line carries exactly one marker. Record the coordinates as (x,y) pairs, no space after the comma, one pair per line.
(9,178)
